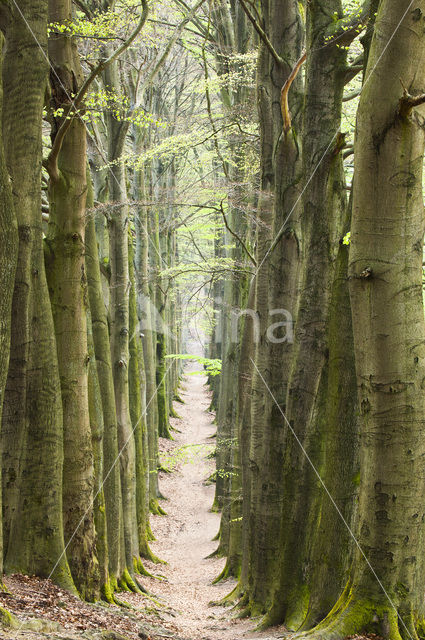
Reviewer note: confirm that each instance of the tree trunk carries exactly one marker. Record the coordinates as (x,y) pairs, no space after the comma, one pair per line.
(276,280)
(32,418)
(111,467)
(68,294)
(8,260)
(119,333)
(384,593)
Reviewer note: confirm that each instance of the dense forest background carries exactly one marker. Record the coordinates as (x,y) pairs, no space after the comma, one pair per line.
(249,172)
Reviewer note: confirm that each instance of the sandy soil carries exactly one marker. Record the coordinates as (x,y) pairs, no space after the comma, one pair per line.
(185,535)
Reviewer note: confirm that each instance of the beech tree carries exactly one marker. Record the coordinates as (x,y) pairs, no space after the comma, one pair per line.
(32,417)
(150,184)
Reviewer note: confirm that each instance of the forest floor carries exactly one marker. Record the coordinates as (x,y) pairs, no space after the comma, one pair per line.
(180,606)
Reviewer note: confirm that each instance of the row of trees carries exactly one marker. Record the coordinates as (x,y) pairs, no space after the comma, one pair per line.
(321,417)
(86,305)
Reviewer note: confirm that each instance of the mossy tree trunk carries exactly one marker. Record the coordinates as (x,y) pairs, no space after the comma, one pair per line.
(111,468)
(68,294)
(385,275)
(275,282)
(32,419)
(8,260)
(97,423)
(321,221)
(120,327)
(148,334)
(137,391)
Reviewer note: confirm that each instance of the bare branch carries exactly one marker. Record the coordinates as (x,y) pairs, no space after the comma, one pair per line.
(286,115)
(352,95)
(238,238)
(52,159)
(263,36)
(408,103)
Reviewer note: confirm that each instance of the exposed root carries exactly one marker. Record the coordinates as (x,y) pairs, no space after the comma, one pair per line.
(226,573)
(232,599)
(156,509)
(149,534)
(243,613)
(121,603)
(126,583)
(354,616)
(216,537)
(107,592)
(218,553)
(174,414)
(140,586)
(148,554)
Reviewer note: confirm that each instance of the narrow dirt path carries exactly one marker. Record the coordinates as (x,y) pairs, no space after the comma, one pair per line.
(185,535)
(180,609)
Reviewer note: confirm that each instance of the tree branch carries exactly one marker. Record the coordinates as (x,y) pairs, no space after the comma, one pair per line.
(173,40)
(352,95)
(354,69)
(51,162)
(408,103)
(284,106)
(348,28)
(263,36)
(238,238)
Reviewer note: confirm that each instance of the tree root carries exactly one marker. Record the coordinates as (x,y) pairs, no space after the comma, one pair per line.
(232,599)
(354,616)
(148,554)
(156,509)
(174,414)
(226,573)
(107,592)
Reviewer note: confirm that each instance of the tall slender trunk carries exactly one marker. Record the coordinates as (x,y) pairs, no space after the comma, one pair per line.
(276,281)
(8,260)
(97,423)
(68,294)
(137,391)
(119,314)
(111,467)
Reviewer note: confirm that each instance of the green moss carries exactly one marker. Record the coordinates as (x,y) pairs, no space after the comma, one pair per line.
(113,582)
(156,509)
(107,592)
(352,616)
(129,583)
(356,479)
(7,620)
(297,607)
